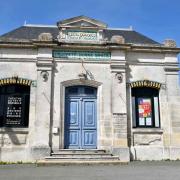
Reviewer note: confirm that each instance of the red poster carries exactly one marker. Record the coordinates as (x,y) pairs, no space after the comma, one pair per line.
(144,107)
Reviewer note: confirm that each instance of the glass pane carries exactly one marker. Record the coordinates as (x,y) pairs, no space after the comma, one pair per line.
(73,112)
(73,90)
(145,111)
(142,121)
(89,91)
(10,89)
(149,121)
(134,111)
(89,113)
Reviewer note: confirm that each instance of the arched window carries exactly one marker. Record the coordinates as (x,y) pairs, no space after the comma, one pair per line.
(14,105)
(145,107)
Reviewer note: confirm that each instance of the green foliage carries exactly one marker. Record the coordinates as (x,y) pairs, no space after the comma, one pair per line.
(18,162)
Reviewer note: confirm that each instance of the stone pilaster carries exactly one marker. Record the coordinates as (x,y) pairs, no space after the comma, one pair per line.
(40,147)
(172,136)
(119,110)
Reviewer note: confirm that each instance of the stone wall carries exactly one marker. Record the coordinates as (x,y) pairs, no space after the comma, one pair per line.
(115,132)
(160,143)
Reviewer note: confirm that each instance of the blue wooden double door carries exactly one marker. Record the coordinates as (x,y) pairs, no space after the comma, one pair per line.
(80,118)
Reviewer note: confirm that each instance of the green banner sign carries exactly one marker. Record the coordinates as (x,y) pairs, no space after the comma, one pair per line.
(86,55)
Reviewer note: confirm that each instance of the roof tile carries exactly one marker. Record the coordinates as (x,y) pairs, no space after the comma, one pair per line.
(32,32)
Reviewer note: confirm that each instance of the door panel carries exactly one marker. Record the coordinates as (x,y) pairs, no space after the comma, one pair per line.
(72,123)
(74,114)
(89,123)
(89,114)
(74,137)
(89,139)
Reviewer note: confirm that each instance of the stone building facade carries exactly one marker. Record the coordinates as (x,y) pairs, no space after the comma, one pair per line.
(82,85)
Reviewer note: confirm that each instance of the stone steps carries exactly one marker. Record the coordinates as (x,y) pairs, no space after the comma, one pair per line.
(79,162)
(79,156)
(78,151)
(88,155)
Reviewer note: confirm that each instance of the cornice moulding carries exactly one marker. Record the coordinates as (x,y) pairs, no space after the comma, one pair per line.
(103,46)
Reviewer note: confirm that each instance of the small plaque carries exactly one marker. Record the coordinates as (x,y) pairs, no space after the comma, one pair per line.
(81,35)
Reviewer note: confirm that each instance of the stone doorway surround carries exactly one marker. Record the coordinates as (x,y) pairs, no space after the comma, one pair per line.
(77,82)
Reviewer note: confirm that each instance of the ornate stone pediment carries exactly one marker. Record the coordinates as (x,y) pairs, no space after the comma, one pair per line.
(82,22)
(81,29)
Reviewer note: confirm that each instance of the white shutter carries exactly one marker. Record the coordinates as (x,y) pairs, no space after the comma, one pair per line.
(156,112)
(133,112)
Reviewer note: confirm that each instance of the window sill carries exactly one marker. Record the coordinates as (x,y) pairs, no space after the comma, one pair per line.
(147,131)
(14,130)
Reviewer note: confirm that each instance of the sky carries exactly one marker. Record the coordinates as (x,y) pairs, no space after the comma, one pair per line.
(158,19)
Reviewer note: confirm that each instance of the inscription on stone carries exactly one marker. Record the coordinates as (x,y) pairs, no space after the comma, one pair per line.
(119,124)
(81,35)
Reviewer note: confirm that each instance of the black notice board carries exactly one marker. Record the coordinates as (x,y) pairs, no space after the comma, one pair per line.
(14,110)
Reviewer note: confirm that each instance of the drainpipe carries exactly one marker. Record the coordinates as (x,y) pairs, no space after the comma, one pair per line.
(51,104)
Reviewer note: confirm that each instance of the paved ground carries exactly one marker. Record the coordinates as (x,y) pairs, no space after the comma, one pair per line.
(133,171)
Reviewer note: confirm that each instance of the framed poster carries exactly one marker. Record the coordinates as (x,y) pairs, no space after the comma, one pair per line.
(145,111)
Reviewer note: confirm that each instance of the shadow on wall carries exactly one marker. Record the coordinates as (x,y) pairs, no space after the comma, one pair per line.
(133,155)
(10,137)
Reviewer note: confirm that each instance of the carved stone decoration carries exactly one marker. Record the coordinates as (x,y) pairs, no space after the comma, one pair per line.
(45,37)
(170,43)
(44,75)
(62,35)
(147,139)
(119,77)
(145,83)
(82,76)
(117,39)
(15,80)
